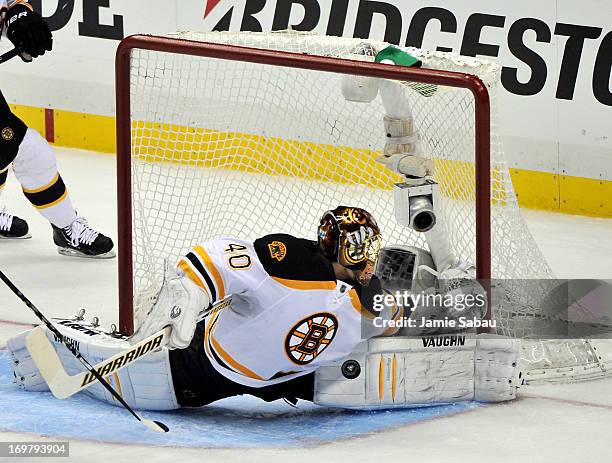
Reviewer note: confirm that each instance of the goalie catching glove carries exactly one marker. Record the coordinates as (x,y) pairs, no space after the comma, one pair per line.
(180,303)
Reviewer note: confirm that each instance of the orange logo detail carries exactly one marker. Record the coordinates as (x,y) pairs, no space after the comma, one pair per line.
(278,250)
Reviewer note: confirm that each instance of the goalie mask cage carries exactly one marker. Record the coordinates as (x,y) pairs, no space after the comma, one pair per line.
(245,134)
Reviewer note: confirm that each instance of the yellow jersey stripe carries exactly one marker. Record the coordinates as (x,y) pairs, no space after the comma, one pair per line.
(207,334)
(209,341)
(199,250)
(227,358)
(193,276)
(232,362)
(306,285)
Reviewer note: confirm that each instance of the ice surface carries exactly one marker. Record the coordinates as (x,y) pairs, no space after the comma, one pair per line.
(219,425)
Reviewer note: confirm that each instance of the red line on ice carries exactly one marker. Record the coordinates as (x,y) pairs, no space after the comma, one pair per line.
(566,401)
(14,323)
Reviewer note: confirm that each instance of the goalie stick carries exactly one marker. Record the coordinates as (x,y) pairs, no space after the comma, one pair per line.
(156,426)
(63,385)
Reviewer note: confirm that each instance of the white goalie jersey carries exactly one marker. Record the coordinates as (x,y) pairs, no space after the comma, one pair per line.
(281,311)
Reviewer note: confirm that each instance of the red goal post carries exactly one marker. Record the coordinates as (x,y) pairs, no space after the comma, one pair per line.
(482,124)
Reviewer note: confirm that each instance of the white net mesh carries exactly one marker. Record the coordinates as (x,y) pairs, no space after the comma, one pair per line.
(221,147)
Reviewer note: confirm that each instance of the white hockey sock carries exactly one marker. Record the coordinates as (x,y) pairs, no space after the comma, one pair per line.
(36,170)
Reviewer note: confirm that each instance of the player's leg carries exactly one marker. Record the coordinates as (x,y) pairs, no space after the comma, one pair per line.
(35,167)
(145,384)
(195,380)
(410,372)
(12,131)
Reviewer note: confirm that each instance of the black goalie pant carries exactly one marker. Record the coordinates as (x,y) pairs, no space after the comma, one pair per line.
(197,383)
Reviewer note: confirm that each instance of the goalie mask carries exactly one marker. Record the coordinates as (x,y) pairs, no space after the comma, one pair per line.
(351,237)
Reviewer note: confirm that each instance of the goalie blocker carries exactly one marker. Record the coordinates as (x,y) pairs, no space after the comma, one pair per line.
(381,373)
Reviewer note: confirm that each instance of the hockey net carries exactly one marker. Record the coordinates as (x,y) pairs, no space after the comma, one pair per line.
(211,145)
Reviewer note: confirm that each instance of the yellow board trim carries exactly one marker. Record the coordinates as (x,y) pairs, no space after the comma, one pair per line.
(585,196)
(535,190)
(86,131)
(32,117)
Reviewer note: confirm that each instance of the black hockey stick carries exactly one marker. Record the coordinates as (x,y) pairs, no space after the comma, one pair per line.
(9,55)
(156,426)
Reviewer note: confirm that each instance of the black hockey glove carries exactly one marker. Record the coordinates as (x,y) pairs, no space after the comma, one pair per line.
(28,31)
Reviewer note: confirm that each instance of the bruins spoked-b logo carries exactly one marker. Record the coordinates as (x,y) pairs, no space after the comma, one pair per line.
(310,336)
(7,133)
(278,250)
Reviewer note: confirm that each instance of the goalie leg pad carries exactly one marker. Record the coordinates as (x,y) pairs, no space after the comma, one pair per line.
(413,372)
(498,369)
(27,376)
(146,384)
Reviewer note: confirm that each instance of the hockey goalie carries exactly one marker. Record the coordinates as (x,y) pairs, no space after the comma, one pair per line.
(290,318)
